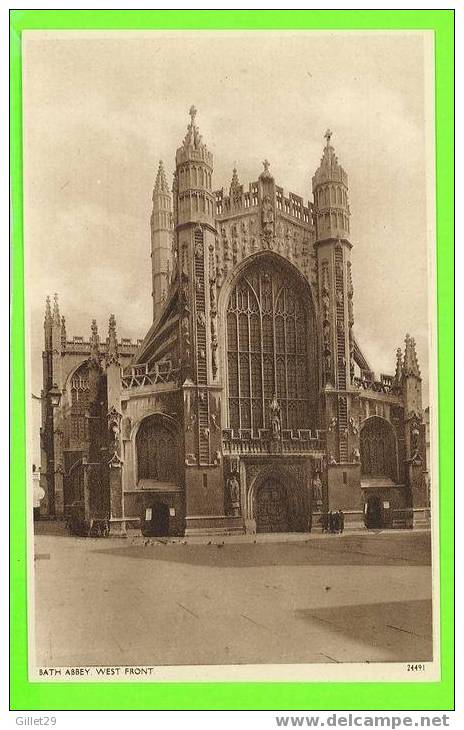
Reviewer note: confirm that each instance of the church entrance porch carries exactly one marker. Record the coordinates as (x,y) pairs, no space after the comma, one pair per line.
(278,498)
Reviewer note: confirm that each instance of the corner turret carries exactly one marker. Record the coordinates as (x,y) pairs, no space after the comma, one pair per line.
(193,178)
(330,190)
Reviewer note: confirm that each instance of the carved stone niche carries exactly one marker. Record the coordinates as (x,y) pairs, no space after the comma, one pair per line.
(232,486)
(126,426)
(114,426)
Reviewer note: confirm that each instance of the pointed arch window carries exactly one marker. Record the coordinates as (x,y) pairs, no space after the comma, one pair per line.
(270,349)
(79,391)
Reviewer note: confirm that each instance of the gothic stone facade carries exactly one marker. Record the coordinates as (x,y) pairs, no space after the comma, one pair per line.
(249,404)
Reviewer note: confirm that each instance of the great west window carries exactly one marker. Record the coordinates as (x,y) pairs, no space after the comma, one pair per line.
(270,349)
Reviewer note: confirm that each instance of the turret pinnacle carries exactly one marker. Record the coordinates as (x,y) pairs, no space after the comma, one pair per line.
(63,333)
(235,190)
(161,185)
(112,354)
(94,344)
(193,137)
(48,312)
(235,181)
(330,190)
(265,173)
(56,310)
(329,169)
(411,365)
(399,367)
(48,321)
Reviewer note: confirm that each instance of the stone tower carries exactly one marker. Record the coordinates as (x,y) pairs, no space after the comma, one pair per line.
(161,240)
(332,215)
(195,233)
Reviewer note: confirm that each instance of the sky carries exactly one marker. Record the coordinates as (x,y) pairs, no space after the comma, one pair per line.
(101,109)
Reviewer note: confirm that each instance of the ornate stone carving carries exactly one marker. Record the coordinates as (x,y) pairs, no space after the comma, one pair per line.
(233,489)
(198,249)
(115,462)
(317,489)
(267,217)
(333,423)
(276,418)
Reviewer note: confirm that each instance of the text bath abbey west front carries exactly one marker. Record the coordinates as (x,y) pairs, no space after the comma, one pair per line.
(249,405)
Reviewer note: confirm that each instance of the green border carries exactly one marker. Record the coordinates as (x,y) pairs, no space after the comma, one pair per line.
(27,695)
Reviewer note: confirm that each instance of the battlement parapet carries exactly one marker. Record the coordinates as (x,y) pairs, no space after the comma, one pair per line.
(242,201)
(80,345)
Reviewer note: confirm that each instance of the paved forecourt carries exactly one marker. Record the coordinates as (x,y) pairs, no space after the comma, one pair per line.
(361,597)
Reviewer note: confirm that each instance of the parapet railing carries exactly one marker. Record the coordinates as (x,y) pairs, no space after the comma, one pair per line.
(262,441)
(160,372)
(386,384)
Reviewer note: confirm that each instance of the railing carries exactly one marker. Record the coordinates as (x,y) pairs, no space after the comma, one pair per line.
(138,375)
(246,441)
(386,384)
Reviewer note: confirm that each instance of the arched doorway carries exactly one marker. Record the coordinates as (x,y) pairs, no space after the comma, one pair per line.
(373,517)
(156,520)
(272,507)
(378,449)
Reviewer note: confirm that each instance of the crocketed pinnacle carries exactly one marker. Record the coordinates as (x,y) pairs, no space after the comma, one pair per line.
(63,332)
(48,311)
(235,181)
(56,310)
(411,365)
(94,343)
(161,185)
(112,353)
(399,367)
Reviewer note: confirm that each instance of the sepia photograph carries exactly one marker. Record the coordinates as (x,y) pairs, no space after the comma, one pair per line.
(231,355)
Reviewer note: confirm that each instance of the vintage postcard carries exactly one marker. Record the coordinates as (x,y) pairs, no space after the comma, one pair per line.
(231,355)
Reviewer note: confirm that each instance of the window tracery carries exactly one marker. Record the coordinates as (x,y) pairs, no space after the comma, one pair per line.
(80,404)
(268,350)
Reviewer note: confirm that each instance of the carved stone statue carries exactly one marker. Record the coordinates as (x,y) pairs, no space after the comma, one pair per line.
(233,487)
(267,216)
(317,489)
(275,417)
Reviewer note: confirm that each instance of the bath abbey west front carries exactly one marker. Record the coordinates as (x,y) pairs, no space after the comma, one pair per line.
(249,405)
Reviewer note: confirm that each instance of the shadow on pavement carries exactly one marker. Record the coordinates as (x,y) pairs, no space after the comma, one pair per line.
(326,551)
(57,528)
(402,627)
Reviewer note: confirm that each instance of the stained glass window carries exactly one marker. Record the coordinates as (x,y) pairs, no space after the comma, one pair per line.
(271,350)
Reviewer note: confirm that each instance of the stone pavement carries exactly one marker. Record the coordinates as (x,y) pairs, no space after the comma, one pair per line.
(358,597)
